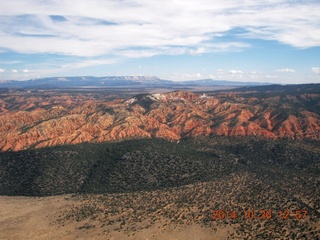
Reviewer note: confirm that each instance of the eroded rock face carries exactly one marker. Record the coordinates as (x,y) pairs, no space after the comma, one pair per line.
(40,120)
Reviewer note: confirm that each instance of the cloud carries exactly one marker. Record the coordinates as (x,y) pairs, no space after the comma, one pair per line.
(184,76)
(14,71)
(88,63)
(198,51)
(272,76)
(316,70)
(9,62)
(2,70)
(25,71)
(286,70)
(235,72)
(255,72)
(145,28)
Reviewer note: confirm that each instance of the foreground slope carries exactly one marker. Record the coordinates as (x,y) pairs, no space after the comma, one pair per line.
(156,189)
(48,118)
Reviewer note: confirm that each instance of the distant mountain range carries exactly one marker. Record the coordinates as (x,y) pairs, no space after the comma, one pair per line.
(116,81)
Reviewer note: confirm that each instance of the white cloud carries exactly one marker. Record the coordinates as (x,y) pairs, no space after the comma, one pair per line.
(25,71)
(197,51)
(255,72)
(286,70)
(88,63)
(272,76)
(2,70)
(9,62)
(184,76)
(316,70)
(234,72)
(14,71)
(144,28)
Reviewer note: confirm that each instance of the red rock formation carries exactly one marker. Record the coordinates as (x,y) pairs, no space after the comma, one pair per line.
(54,119)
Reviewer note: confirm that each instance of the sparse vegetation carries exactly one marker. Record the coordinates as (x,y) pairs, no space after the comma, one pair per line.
(148,182)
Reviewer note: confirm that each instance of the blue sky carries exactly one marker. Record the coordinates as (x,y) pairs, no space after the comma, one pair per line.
(274,41)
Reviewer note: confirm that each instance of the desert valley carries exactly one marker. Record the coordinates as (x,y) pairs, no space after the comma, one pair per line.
(134,163)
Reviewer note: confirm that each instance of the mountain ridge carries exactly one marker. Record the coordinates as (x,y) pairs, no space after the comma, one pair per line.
(42,119)
(107,81)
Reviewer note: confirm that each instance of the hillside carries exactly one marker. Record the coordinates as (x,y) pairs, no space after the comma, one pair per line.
(48,118)
(136,165)
(134,188)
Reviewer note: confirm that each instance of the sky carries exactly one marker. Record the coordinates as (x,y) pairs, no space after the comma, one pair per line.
(275,41)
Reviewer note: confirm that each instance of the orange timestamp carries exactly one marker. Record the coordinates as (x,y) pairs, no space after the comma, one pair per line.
(261,214)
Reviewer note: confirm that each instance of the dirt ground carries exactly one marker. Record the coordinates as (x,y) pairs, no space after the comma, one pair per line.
(35,218)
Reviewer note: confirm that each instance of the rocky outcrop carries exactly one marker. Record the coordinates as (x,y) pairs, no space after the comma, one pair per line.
(48,119)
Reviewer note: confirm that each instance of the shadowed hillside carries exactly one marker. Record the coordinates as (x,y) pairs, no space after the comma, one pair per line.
(151,164)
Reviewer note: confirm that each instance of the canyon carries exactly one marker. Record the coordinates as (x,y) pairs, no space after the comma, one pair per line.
(44,118)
